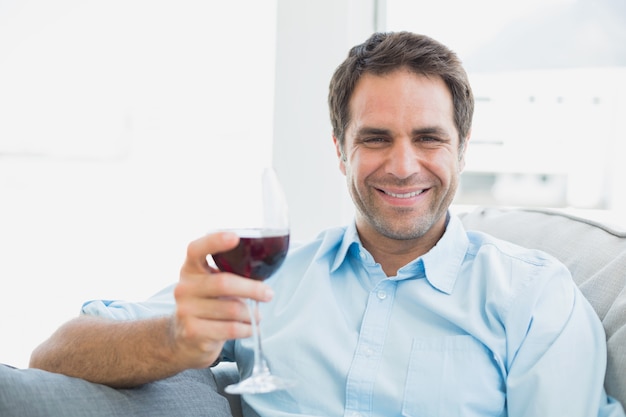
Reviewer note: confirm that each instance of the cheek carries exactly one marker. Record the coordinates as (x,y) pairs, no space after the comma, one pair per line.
(446,169)
(362,163)
(353,172)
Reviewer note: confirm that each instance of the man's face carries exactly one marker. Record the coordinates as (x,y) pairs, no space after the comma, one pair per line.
(402,160)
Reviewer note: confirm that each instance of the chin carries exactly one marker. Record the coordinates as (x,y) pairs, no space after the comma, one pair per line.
(402,232)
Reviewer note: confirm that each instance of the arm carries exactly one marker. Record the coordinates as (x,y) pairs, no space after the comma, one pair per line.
(209,311)
(560,365)
(116,353)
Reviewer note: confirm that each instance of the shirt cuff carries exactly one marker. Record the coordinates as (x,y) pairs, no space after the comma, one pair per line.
(160,304)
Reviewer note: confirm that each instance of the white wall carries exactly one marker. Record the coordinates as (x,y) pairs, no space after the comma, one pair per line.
(120,125)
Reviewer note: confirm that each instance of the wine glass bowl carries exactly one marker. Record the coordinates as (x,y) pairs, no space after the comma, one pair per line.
(259,253)
(262,248)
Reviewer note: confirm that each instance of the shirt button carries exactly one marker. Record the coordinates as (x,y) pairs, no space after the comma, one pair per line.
(363,256)
(368,351)
(381,294)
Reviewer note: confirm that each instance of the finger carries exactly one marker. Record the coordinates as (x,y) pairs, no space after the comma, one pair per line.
(220,285)
(199,249)
(195,331)
(198,341)
(231,285)
(220,309)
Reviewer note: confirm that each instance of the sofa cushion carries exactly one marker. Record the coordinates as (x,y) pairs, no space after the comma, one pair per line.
(226,373)
(594,252)
(36,393)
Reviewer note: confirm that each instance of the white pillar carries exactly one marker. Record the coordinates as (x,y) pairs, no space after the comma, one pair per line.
(313,37)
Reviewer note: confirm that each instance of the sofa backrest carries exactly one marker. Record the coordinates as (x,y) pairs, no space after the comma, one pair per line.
(594,252)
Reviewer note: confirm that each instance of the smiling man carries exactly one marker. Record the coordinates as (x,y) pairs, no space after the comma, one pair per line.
(401,312)
(402,157)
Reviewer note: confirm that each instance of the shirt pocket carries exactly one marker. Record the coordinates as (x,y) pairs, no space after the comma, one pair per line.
(452,376)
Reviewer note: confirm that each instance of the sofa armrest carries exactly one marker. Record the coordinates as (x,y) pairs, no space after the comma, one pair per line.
(37,393)
(226,373)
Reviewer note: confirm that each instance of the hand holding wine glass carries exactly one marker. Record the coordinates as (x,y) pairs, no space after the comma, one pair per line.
(262,248)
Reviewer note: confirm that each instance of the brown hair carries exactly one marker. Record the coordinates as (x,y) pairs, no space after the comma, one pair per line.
(383,53)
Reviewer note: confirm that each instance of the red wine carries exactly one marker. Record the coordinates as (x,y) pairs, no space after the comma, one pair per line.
(258,255)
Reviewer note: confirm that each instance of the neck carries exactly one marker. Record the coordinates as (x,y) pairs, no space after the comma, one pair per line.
(392,254)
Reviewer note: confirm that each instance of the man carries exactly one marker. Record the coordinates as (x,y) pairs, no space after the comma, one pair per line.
(402,312)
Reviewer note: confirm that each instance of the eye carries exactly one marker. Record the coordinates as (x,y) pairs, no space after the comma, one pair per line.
(374,141)
(430,141)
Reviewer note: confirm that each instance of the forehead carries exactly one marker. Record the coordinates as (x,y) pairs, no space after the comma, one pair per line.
(401,100)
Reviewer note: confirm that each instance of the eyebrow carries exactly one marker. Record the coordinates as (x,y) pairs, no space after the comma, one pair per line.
(422,131)
(364,131)
(431,130)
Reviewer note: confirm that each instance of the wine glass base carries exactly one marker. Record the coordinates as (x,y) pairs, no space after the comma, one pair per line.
(259,384)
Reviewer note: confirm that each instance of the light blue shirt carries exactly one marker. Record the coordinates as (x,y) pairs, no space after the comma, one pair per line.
(475,327)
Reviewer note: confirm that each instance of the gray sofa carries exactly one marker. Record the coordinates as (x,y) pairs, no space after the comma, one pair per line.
(594,252)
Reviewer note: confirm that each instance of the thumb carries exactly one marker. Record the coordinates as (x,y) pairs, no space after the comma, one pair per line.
(199,249)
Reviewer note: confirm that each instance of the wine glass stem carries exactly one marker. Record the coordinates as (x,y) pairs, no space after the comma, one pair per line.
(260,365)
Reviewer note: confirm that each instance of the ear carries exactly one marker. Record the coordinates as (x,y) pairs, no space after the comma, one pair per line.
(340,155)
(463,151)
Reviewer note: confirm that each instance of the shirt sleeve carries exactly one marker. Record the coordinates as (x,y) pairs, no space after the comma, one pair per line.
(160,304)
(560,362)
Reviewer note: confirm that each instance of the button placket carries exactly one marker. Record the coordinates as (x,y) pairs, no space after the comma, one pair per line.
(368,354)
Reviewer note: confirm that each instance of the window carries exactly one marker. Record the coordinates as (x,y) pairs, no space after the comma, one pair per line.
(549,78)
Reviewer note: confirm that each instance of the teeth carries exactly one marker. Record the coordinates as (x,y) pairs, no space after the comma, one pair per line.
(405,195)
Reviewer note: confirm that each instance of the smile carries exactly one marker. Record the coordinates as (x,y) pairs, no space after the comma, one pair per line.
(404,195)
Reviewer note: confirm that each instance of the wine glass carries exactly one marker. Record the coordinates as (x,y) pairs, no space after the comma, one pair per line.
(262,248)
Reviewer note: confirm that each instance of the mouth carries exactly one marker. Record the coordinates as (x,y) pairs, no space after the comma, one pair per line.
(403,195)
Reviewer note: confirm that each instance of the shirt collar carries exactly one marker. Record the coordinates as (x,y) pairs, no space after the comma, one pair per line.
(441,264)
(350,238)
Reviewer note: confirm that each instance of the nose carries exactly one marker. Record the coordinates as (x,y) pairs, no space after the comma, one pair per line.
(403,159)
